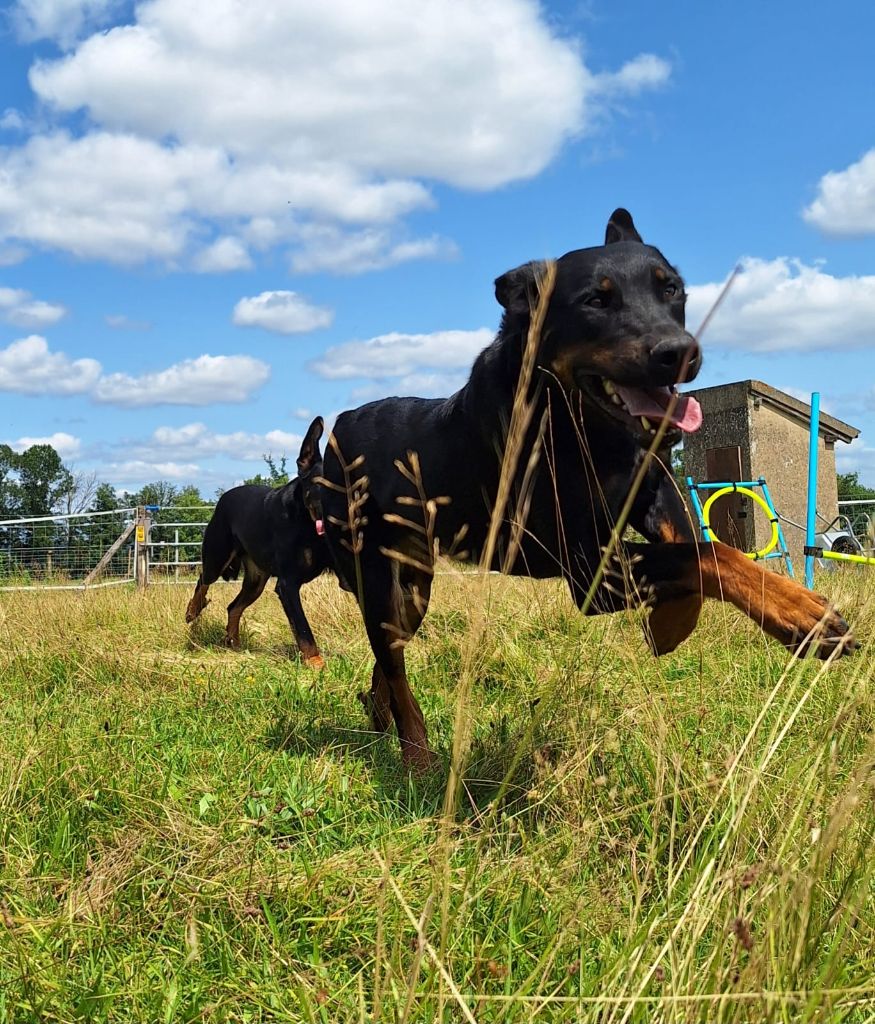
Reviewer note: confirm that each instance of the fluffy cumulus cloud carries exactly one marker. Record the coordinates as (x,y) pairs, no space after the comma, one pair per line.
(223,255)
(128,474)
(62,21)
(202,381)
(282,312)
(786,305)
(220,127)
(20,308)
(857,457)
(402,355)
(66,445)
(845,202)
(29,367)
(196,440)
(327,248)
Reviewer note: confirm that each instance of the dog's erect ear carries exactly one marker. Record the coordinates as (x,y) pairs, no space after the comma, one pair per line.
(621,229)
(310,454)
(517,290)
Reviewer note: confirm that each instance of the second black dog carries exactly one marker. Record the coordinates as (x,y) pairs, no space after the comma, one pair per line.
(268,531)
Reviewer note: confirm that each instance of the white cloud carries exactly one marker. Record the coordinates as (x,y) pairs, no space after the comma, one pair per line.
(257,121)
(646,71)
(857,457)
(202,381)
(12,254)
(66,445)
(223,255)
(12,120)
(281,311)
(18,307)
(783,305)
(330,249)
(302,413)
(60,20)
(196,440)
(398,355)
(423,385)
(140,470)
(28,367)
(845,203)
(121,322)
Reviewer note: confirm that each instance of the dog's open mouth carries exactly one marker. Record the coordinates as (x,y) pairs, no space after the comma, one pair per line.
(646,407)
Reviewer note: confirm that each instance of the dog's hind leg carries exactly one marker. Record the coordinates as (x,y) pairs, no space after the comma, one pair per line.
(254,581)
(198,600)
(288,590)
(395,602)
(217,553)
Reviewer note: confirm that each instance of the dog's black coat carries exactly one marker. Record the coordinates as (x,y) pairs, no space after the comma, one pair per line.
(616,314)
(268,531)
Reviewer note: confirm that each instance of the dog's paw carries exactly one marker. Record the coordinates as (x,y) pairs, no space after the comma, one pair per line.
(315,661)
(816,628)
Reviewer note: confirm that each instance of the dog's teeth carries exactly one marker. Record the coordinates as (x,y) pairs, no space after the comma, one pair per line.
(653,432)
(615,398)
(609,387)
(645,422)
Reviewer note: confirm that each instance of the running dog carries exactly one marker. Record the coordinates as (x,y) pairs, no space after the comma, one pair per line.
(268,531)
(404,477)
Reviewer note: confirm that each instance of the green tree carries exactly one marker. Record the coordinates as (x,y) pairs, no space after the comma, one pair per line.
(43,480)
(105,499)
(850,488)
(277,474)
(160,492)
(8,488)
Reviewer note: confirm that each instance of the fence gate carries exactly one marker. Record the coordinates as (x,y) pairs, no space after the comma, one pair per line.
(102,549)
(69,552)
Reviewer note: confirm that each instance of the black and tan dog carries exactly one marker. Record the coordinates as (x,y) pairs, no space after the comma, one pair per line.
(611,348)
(268,531)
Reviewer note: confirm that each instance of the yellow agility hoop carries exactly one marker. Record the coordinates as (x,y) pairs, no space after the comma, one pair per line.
(706,520)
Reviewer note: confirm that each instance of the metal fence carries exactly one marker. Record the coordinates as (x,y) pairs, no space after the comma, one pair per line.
(174,534)
(69,551)
(861,517)
(99,549)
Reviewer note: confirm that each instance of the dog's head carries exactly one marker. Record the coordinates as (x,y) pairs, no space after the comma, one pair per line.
(614,328)
(309,468)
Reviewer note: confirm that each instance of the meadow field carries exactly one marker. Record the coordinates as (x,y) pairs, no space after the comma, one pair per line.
(189,833)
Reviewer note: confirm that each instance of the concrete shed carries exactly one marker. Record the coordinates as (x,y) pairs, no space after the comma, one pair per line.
(750,430)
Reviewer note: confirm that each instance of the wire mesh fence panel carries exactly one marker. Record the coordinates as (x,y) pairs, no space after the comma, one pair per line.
(175,536)
(861,515)
(67,550)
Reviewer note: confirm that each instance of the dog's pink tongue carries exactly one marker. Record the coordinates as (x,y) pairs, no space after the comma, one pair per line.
(653,402)
(320,527)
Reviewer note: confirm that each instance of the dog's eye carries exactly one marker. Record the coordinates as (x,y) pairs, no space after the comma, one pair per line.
(670,291)
(597,301)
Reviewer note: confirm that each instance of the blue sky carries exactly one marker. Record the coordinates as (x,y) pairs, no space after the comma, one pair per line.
(218,219)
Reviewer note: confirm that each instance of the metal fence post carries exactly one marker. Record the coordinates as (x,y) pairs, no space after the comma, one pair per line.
(144,523)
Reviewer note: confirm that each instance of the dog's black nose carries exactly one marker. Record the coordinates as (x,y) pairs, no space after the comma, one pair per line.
(675,357)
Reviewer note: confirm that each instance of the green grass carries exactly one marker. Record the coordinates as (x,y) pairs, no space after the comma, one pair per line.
(193,834)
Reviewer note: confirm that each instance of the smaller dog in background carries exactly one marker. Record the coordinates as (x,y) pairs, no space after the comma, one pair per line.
(268,531)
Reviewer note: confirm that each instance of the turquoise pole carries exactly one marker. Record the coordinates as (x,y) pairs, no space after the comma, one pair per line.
(810,521)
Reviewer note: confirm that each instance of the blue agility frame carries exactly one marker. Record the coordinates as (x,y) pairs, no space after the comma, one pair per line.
(708,534)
